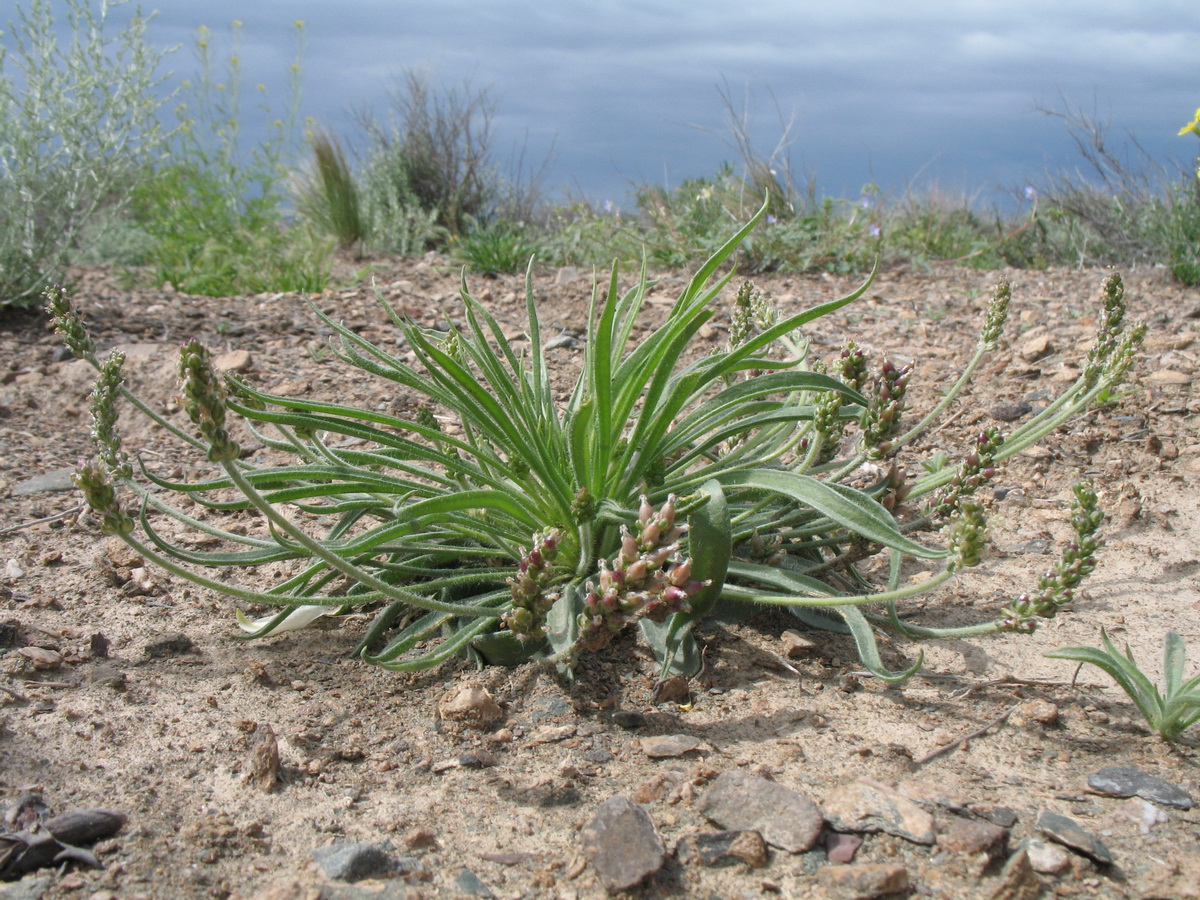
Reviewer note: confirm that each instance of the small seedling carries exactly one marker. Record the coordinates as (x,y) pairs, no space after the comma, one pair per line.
(1170,712)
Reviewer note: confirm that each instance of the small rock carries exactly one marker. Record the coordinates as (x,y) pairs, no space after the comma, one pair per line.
(970,837)
(1126,781)
(471,705)
(622,844)
(109,676)
(868,806)
(13,570)
(174,644)
(724,848)
(745,802)
(47,482)
(864,881)
(468,882)
(1036,347)
(1168,376)
(1069,833)
(840,848)
(796,645)
(1142,812)
(353,862)
(664,746)
(420,839)
(1010,412)
(1049,859)
(1018,881)
(262,766)
(41,658)
(233,361)
(1043,712)
(627,719)
(85,826)
(997,815)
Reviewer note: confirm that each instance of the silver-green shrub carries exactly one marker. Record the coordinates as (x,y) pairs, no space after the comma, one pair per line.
(78,126)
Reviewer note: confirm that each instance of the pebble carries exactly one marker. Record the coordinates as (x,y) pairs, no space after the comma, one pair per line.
(969,837)
(1010,412)
(1069,833)
(41,658)
(745,802)
(864,881)
(472,705)
(469,883)
(840,848)
(1044,857)
(353,862)
(868,806)
(1042,712)
(622,844)
(1169,376)
(233,361)
(174,644)
(796,645)
(1036,347)
(47,482)
(723,848)
(1018,880)
(1126,781)
(665,746)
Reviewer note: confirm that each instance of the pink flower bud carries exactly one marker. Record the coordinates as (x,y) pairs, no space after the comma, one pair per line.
(650,535)
(681,574)
(637,572)
(645,512)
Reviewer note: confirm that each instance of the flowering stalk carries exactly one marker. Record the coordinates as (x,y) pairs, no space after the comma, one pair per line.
(532,597)
(1057,587)
(881,421)
(646,579)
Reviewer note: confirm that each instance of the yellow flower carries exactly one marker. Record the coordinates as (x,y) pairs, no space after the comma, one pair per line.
(1192,126)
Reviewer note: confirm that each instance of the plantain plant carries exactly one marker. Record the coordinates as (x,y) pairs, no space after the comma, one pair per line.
(510,522)
(1170,711)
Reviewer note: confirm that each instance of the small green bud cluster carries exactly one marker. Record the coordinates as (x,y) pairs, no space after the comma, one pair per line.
(68,324)
(764,551)
(881,419)
(646,578)
(204,400)
(1057,587)
(851,365)
(583,507)
(997,314)
(104,416)
(1108,335)
(974,472)
(895,487)
(92,477)
(753,313)
(531,597)
(968,536)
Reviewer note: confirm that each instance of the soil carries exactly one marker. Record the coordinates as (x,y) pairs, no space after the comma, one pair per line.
(118,711)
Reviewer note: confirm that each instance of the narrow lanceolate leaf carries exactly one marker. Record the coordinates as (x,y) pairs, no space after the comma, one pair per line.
(843,505)
(868,649)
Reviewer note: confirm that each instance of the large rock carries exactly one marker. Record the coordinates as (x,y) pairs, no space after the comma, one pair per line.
(622,844)
(743,802)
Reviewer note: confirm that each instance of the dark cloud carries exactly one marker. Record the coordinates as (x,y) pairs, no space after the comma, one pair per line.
(885,91)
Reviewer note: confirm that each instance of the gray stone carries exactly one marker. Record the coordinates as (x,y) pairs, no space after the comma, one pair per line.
(1010,412)
(26,889)
(867,806)
(622,844)
(745,802)
(1068,832)
(174,644)
(354,862)
(1126,781)
(468,882)
(47,482)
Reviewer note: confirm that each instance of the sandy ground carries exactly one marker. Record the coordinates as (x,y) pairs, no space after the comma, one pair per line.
(117,712)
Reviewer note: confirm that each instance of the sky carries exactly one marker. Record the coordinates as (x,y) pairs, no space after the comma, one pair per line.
(902,93)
